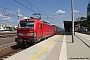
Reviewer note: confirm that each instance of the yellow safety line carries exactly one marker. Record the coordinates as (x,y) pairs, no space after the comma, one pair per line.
(43,49)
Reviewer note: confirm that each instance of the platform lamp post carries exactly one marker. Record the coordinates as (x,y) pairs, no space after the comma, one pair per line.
(72,12)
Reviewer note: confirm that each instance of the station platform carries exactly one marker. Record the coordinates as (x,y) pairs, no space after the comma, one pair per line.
(57,47)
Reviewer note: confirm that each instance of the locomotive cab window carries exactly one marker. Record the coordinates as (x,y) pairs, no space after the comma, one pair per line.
(26,24)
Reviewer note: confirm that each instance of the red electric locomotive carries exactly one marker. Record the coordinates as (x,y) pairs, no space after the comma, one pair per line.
(33,30)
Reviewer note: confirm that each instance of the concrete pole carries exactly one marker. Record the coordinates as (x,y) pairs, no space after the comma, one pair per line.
(72,8)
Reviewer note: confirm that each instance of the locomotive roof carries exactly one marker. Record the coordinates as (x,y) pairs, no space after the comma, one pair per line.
(32,19)
(29,19)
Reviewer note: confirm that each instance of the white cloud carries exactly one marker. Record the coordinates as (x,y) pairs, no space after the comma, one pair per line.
(76,11)
(60,11)
(0,15)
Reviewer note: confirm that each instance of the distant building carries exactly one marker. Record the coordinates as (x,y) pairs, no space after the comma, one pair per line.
(2,27)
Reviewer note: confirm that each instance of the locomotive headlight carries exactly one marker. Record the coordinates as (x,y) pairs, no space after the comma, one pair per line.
(31,34)
(20,34)
(34,34)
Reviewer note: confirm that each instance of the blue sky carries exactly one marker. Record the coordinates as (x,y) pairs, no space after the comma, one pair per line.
(48,7)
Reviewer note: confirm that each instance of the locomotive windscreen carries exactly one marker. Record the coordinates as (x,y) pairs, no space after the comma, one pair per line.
(26,24)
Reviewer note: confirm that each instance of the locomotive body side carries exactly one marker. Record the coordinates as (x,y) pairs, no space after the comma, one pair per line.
(33,30)
(56,30)
(45,30)
(48,30)
(51,30)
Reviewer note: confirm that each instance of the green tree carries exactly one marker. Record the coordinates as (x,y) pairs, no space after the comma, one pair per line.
(82,21)
(81,18)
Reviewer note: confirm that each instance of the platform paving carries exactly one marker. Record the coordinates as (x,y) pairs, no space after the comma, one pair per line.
(75,51)
(60,48)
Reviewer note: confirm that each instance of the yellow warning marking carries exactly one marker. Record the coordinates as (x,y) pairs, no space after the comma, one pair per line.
(43,49)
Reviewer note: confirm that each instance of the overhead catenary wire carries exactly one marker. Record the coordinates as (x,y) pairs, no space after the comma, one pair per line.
(29,8)
(37,9)
(8,11)
(7,14)
(45,16)
(25,6)
(35,6)
(4,8)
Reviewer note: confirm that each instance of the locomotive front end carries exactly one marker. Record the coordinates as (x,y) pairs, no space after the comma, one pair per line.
(25,32)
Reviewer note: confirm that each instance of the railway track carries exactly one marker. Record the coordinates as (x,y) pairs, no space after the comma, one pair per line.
(6,50)
(7,34)
(7,45)
(11,50)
